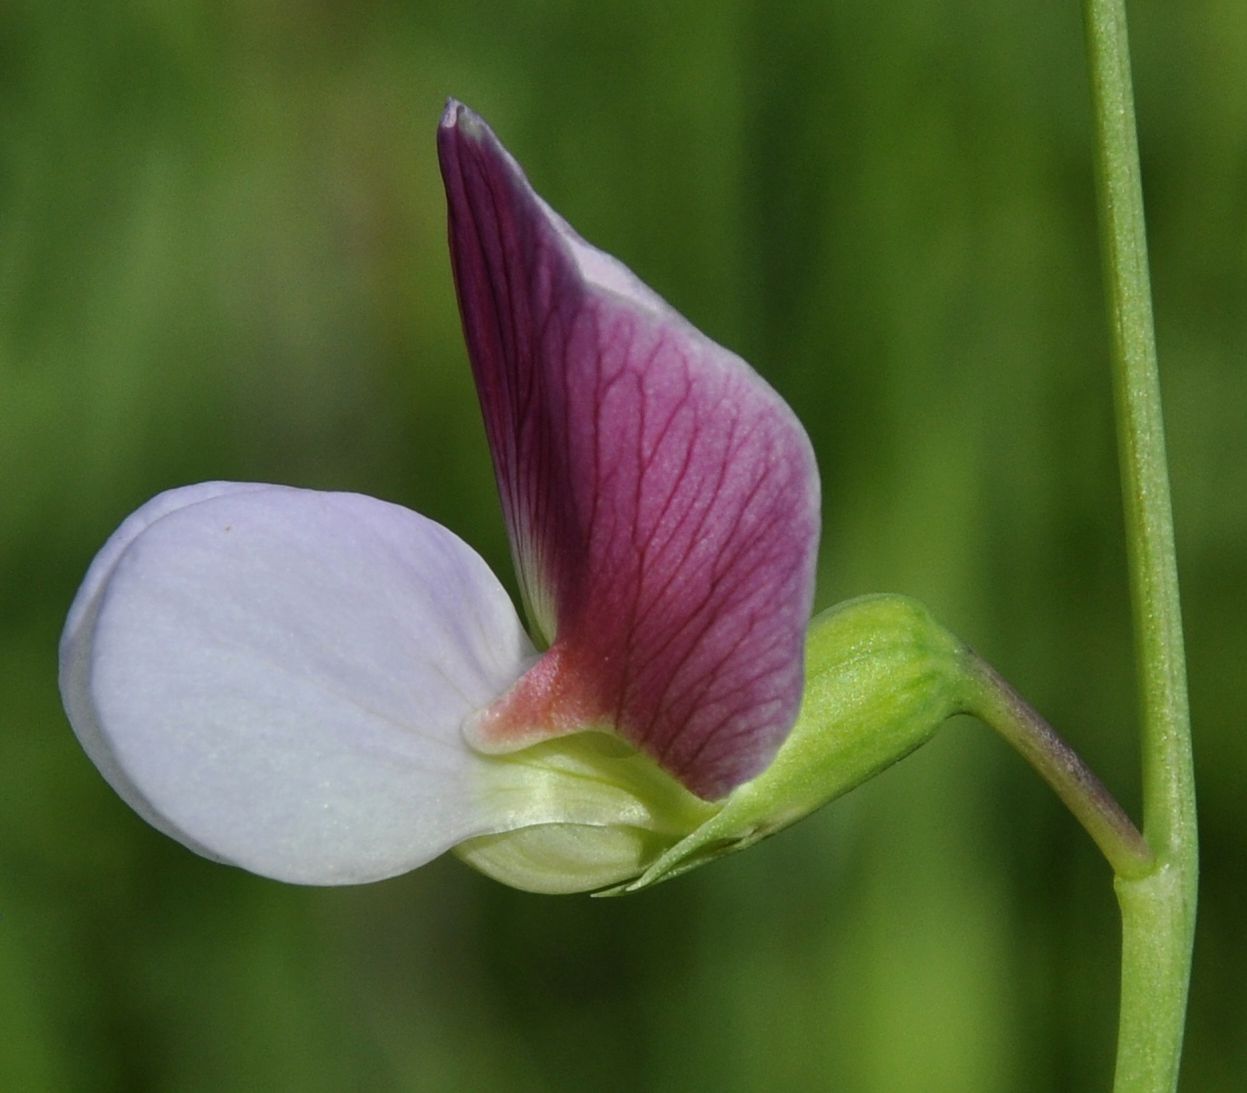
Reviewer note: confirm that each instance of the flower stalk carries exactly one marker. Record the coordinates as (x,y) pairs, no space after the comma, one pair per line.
(995,702)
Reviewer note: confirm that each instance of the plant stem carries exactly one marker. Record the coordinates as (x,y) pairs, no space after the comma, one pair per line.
(1158,909)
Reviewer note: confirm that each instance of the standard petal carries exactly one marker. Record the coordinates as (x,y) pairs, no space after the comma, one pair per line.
(278,677)
(662,500)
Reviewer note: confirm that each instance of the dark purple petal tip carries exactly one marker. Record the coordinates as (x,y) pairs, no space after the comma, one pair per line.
(662,500)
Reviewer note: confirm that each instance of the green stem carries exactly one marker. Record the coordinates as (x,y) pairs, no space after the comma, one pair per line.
(1158,909)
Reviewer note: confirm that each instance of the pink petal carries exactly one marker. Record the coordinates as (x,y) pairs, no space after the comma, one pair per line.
(662,500)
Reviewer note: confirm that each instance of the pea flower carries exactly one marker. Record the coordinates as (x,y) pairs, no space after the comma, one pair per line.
(325,688)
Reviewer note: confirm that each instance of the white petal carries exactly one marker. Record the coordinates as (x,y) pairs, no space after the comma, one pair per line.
(75,651)
(278,677)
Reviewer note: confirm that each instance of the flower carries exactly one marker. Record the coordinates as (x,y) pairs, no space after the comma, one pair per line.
(326,688)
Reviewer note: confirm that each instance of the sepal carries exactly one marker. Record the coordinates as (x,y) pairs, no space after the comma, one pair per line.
(881,677)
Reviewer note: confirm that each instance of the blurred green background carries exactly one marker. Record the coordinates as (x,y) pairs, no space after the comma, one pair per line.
(222,256)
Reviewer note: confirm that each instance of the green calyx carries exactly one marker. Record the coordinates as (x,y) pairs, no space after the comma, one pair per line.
(881,677)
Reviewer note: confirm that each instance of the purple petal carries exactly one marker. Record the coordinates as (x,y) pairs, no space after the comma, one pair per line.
(662,500)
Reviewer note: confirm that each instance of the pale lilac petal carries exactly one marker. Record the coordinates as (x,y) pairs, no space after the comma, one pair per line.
(75,651)
(278,678)
(662,500)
